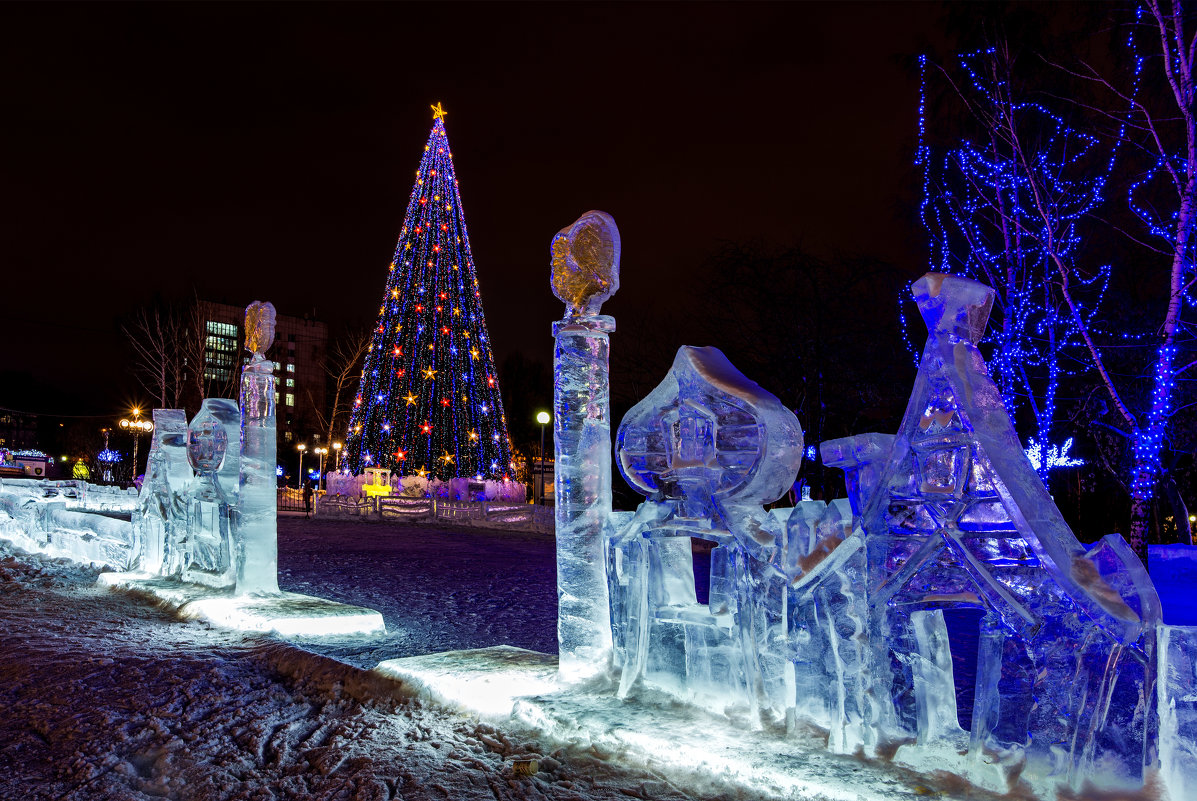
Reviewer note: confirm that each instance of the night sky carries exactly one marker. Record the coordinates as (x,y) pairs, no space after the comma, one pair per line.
(267,151)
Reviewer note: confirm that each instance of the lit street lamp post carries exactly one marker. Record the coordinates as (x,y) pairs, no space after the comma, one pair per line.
(320,475)
(301,448)
(136,427)
(542,418)
(337,448)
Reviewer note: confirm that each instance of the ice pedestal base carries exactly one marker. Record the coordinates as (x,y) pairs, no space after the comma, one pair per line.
(286,614)
(487,682)
(688,746)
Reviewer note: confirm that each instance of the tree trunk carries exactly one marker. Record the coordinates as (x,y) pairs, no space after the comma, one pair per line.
(1140,526)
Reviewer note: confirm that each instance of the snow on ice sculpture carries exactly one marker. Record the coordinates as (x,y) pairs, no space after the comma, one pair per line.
(707,448)
(585,272)
(959,518)
(213,495)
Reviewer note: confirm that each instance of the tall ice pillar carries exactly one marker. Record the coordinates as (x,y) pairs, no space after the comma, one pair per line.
(256,538)
(585,273)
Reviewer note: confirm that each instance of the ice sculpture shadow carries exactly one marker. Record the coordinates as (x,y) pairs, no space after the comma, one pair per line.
(205,537)
(831,615)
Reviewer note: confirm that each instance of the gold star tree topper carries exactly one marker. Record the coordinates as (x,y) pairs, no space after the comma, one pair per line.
(438,113)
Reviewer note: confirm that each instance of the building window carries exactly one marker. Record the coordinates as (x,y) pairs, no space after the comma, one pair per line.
(287,436)
(290,368)
(290,382)
(290,399)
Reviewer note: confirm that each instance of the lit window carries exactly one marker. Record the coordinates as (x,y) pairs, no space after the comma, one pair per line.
(290,382)
(290,399)
(290,368)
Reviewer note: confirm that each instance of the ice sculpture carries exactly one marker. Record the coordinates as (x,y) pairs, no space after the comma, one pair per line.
(257,559)
(832,614)
(160,520)
(585,273)
(958,517)
(708,448)
(213,495)
(208,543)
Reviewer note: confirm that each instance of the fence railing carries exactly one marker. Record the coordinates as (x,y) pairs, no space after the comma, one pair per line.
(484,514)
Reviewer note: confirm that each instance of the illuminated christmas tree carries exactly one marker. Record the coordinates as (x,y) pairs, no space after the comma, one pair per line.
(429,400)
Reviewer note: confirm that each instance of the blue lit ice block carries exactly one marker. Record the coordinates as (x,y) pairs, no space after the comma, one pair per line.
(707,448)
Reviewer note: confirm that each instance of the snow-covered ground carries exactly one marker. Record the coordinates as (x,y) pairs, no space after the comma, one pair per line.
(104,696)
(438,588)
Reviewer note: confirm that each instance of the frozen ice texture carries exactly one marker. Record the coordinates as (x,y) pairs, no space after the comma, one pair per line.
(213,495)
(160,519)
(1176,692)
(40,516)
(259,327)
(585,273)
(256,539)
(582,442)
(832,614)
(959,517)
(707,448)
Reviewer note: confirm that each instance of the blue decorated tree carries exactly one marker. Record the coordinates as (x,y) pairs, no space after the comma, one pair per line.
(1011,193)
(1010,201)
(1162,127)
(429,401)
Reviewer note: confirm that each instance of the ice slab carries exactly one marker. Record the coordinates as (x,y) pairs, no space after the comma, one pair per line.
(671,739)
(286,614)
(487,681)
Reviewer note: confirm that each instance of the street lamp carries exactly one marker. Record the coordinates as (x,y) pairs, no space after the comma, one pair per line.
(543,418)
(136,426)
(337,448)
(301,448)
(320,476)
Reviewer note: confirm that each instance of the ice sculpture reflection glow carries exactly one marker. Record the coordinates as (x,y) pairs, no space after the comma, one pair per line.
(831,614)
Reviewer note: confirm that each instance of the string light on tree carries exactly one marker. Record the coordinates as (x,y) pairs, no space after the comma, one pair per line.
(1009,203)
(426,405)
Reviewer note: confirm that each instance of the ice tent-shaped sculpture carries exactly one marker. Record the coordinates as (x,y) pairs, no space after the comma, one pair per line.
(958,517)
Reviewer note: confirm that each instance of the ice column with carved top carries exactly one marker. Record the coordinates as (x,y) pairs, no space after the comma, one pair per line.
(585,261)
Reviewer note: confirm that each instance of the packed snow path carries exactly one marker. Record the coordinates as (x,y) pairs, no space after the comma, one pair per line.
(105,697)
